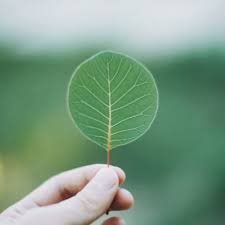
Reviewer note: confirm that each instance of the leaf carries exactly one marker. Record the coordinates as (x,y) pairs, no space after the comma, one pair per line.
(112,98)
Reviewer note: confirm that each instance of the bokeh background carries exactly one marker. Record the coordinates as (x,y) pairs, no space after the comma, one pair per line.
(176,171)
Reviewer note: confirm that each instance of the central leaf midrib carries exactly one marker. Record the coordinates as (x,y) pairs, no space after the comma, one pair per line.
(110,112)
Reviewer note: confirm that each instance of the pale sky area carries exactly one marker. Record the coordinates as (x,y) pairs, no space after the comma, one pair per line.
(139,26)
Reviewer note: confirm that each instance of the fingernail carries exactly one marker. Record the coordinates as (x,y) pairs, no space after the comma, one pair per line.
(115,221)
(107,178)
(127,194)
(122,222)
(121,174)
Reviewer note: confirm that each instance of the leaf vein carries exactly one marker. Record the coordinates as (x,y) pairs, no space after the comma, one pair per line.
(93,127)
(95,109)
(97,136)
(130,89)
(90,117)
(86,88)
(123,139)
(131,117)
(133,101)
(118,85)
(95,80)
(118,69)
(129,129)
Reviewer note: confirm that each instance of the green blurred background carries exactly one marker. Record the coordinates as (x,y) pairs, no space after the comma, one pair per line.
(176,171)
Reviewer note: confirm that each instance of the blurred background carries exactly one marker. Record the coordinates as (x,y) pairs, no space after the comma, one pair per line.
(176,171)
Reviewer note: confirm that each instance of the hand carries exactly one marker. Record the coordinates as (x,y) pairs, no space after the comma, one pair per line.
(76,197)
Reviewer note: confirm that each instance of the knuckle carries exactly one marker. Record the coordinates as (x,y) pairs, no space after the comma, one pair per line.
(88,203)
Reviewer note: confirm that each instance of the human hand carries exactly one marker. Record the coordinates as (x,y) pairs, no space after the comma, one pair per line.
(75,197)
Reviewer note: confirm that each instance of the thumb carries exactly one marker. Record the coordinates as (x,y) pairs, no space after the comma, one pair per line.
(90,203)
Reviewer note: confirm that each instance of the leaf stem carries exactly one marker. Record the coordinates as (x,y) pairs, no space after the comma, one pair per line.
(108,157)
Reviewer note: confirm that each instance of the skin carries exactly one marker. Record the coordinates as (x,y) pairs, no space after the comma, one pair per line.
(76,197)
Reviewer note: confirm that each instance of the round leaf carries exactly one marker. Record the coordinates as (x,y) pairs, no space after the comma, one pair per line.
(112,98)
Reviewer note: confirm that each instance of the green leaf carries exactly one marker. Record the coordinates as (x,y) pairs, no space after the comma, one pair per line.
(112,98)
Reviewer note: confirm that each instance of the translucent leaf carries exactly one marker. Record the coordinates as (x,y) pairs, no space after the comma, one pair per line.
(112,98)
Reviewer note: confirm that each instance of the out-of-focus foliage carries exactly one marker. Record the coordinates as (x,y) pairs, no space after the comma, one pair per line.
(176,171)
